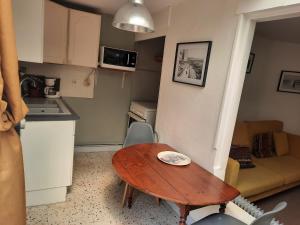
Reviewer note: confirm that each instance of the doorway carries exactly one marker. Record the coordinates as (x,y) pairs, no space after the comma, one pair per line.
(236,76)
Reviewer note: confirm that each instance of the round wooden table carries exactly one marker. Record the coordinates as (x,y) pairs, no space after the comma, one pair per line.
(190,186)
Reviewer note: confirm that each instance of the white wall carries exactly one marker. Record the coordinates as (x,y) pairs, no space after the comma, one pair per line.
(72,78)
(187,116)
(161,21)
(260,99)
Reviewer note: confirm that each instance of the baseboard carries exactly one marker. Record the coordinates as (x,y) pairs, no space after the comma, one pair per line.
(97,148)
(46,196)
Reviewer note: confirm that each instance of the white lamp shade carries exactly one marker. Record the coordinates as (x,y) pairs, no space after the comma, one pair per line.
(135,17)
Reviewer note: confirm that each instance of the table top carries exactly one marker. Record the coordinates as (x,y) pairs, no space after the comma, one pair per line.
(192,185)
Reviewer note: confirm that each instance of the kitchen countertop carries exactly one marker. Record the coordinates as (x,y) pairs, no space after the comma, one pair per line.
(47,117)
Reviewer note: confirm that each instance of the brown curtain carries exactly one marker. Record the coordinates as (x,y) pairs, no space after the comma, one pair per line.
(12,110)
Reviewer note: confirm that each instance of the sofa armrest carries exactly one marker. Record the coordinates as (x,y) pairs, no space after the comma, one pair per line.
(294,144)
(232,172)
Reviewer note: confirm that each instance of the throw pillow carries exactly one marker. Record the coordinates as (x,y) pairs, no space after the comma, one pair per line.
(242,155)
(281,143)
(263,145)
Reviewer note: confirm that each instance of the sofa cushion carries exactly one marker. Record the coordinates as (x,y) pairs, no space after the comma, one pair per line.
(232,172)
(294,145)
(286,166)
(240,135)
(258,180)
(263,145)
(281,143)
(259,127)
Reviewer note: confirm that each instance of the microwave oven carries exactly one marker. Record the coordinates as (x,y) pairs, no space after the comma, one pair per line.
(119,59)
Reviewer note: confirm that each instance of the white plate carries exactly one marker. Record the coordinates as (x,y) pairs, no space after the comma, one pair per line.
(174,158)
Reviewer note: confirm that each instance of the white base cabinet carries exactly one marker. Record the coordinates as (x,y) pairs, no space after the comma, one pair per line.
(48,152)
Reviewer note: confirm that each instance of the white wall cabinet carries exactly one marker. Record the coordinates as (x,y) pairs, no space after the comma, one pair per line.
(51,33)
(48,150)
(84,38)
(55,33)
(29,27)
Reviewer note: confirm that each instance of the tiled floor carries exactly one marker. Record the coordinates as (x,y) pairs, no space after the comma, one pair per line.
(95,199)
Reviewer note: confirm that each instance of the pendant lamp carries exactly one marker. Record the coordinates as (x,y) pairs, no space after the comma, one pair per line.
(135,17)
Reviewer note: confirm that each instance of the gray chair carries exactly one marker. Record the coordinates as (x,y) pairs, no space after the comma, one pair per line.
(223,219)
(138,133)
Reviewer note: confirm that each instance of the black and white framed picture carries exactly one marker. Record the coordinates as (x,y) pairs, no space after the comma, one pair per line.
(191,62)
(289,82)
(250,62)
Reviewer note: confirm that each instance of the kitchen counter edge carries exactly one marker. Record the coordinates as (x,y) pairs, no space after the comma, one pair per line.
(72,116)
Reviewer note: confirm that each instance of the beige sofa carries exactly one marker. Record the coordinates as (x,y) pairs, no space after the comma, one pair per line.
(271,175)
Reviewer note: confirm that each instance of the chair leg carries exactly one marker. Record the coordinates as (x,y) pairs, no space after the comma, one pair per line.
(125,194)
(129,196)
(222,208)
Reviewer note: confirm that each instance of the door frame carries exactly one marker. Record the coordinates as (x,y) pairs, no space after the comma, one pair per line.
(236,76)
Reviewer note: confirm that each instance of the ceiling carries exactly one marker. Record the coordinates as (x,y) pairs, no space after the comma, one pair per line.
(111,6)
(287,30)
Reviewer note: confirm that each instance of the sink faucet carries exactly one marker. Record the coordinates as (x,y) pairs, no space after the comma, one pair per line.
(27,78)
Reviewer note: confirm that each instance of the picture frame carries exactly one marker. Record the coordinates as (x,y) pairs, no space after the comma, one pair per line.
(191,62)
(289,81)
(250,62)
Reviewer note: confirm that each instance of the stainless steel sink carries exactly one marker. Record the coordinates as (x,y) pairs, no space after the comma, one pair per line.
(41,106)
(43,110)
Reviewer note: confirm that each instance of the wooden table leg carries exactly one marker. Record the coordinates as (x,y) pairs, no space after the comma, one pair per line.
(129,196)
(184,212)
(157,201)
(222,208)
(125,194)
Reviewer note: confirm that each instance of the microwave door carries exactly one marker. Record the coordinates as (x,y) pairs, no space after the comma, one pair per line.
(118,59)
(114,57)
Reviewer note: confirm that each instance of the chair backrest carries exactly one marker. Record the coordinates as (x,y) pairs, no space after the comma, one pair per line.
(267,217)
(139,133)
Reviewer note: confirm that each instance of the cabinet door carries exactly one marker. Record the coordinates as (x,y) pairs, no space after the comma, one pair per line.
(29,27)
(48,148)
(84,38)
(55,33)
